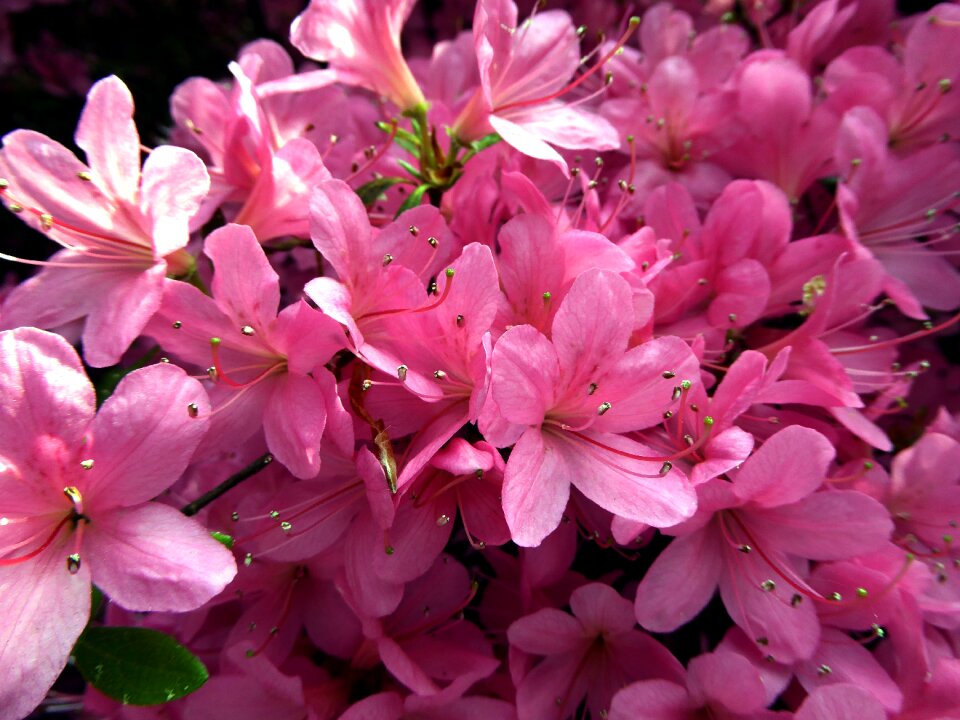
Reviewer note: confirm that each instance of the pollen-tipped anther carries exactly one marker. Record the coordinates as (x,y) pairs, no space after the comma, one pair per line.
(604,407)
(73,563)
(247,330)
(193,410)
(402,372)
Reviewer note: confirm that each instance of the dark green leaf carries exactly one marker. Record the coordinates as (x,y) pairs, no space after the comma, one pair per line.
(137,666)
(413,200)
(370,192)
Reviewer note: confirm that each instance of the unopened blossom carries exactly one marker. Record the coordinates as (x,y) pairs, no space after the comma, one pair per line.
(74,492)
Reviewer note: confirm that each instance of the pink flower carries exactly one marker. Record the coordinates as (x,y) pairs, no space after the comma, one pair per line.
(572,398)
(123,230)
(74,492)
(268,367)
(524,68)
(590,655)
(361,41)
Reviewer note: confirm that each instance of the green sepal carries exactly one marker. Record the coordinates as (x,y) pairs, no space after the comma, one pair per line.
(484,142)
(413,200)
(404,138)
(137,666)
(370,192)
(409,168)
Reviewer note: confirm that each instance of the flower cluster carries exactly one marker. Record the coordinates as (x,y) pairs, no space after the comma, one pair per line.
(553,373)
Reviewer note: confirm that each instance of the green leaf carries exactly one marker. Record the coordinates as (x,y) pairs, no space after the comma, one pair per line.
(413,200)
(405,139)
(137,666)
(370,192)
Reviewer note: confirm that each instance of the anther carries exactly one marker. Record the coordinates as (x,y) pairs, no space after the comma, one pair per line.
(4,184)
(592,389)
(234,516)
(443,520)
(546,296)
(85,176)
(274,514)
(212,373)
(86,464)
(432,241)
(387,259)
(165,360)
(193,410)
(836,597)
(459,321)
(248,560)
(762,641)
(669,375)
(668,414)
(677,392)
(402,372)
(286,527)
(604,406)
(14,208)
(745,549)
(862,592)
(732,317)
(177,324)
(366,385)
(824,670)
(768,586)
(878,631)
(439,374)
(944,84)
(73,563)
(796,600)
(665,468)
(247,330)
(46,221)
(73,495)
(414,230)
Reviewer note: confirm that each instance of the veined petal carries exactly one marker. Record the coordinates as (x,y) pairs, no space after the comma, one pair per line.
(107,134)
(152,558)
(246,288)
(535,494)
(526,371)
(175,183)
(144,436)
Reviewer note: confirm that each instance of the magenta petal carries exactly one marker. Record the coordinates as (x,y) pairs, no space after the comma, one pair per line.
(840,701)
(788,466)
(602,609)
(293,423)
(340,228)
(653,700)
(728,679)
(525,372)
(829,525)
(546,632)
(43,610)
(144,436)
(152,558)
(535,492)
(680,582)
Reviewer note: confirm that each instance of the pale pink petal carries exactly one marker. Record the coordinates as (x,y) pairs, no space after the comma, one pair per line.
(107,134)
(144,436)
(680,582)
(246,288)
(340,228)
(535,494)
(123,303)
(152,558)
(43,610)
(43,391)
(175,183)
(527,142)
(788,466)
